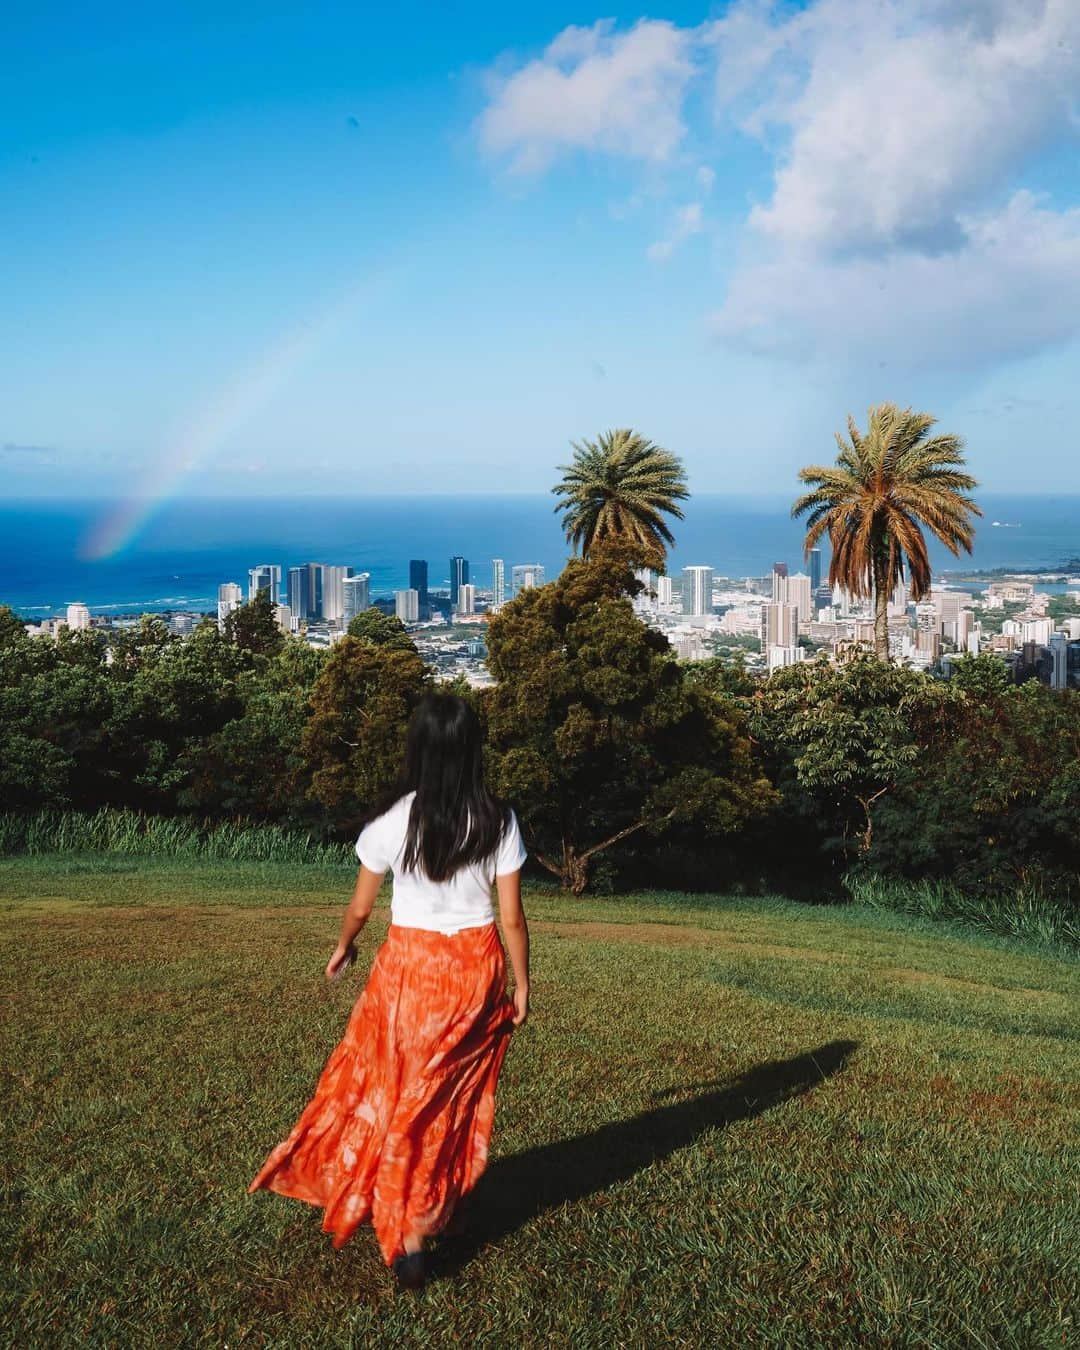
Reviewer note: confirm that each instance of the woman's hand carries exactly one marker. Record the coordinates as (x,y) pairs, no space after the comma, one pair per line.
(521,1005)
(342,958)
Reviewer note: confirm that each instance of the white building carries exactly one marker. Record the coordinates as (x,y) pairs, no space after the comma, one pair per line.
(407,605)
(525,576)
(229,598)
(284,619)
(498,582)
(1037,631)
(265,577)
(333,594)
(78,617)
(466,599)
(664,592)
(355,596)
(780,656)
(697,590)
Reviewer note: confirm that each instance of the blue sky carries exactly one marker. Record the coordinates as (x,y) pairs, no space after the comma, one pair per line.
(278,249)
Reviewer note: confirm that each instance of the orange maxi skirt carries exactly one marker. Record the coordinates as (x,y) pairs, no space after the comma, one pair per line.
(398,1128)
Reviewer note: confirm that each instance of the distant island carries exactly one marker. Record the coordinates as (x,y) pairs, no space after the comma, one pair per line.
(1063,571)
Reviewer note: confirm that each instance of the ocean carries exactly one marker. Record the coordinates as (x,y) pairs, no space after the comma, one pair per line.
(189,546)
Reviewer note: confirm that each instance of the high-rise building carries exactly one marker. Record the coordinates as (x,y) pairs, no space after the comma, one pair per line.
(1059,661)
(333,595)
(779,626)
(459,576)
(466,601)
(283,618)
(1038,631)
(305,595)
(229,597)
(664,591)
(800,594)
(697,590)
(418,580)
(525,576)
(813,558)
(407,605)
(355,596)
(78,616)
(498,582)
(265,577)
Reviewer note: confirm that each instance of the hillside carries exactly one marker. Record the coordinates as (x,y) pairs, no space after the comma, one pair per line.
(727,1122)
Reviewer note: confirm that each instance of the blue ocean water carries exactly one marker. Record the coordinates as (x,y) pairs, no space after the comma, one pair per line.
(190,546)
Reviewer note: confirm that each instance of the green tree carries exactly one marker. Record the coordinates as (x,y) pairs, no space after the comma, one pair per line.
(54,702)
(253,627)
(254,766)
(168,698)
(595,733)
(355,737)
(621,486)
(873,503)
(382,630)
(839,739)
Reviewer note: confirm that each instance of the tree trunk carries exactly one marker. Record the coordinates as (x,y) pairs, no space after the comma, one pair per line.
(881,610)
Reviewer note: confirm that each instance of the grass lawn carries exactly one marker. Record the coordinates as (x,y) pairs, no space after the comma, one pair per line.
(728,1123)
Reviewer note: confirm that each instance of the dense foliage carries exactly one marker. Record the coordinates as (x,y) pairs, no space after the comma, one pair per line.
(623,763)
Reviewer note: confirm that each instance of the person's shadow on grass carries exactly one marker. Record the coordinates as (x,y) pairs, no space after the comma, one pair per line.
(516,1189)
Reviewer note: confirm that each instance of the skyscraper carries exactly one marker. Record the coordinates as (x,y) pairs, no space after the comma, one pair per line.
(498,582)
(813,557)
(525,576)
(418,581)
(697,590)
(779,626)
(305,591)
(800,594)
(355,596)
(1059,661)
(466,599)
(265,577)
(407,605)
(333,597)
(459,575)
(229,597)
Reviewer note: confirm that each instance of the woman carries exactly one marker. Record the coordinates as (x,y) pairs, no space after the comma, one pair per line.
(399,1124)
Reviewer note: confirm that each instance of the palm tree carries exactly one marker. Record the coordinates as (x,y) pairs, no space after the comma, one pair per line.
(884,487)
(621,487)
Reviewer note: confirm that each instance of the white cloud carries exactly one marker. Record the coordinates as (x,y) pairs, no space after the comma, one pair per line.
(900,116)
(688,220)
(706,177)
(1012,289)
(593,89)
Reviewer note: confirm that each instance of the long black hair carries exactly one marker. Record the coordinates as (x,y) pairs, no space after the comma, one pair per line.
(454,820)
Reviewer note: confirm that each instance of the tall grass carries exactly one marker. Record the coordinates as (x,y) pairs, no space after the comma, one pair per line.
(1025,913)
(128,832)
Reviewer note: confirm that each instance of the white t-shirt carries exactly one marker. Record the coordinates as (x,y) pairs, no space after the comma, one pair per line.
(441,906)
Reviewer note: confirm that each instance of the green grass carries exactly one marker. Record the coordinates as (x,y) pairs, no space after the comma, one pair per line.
(728,1123)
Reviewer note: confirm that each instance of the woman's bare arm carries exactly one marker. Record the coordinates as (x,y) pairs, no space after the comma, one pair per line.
(354,918)
(516,934)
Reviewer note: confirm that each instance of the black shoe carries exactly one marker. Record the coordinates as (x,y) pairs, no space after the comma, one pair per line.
(411,1270)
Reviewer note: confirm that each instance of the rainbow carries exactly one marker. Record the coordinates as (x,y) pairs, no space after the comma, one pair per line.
(206,433)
